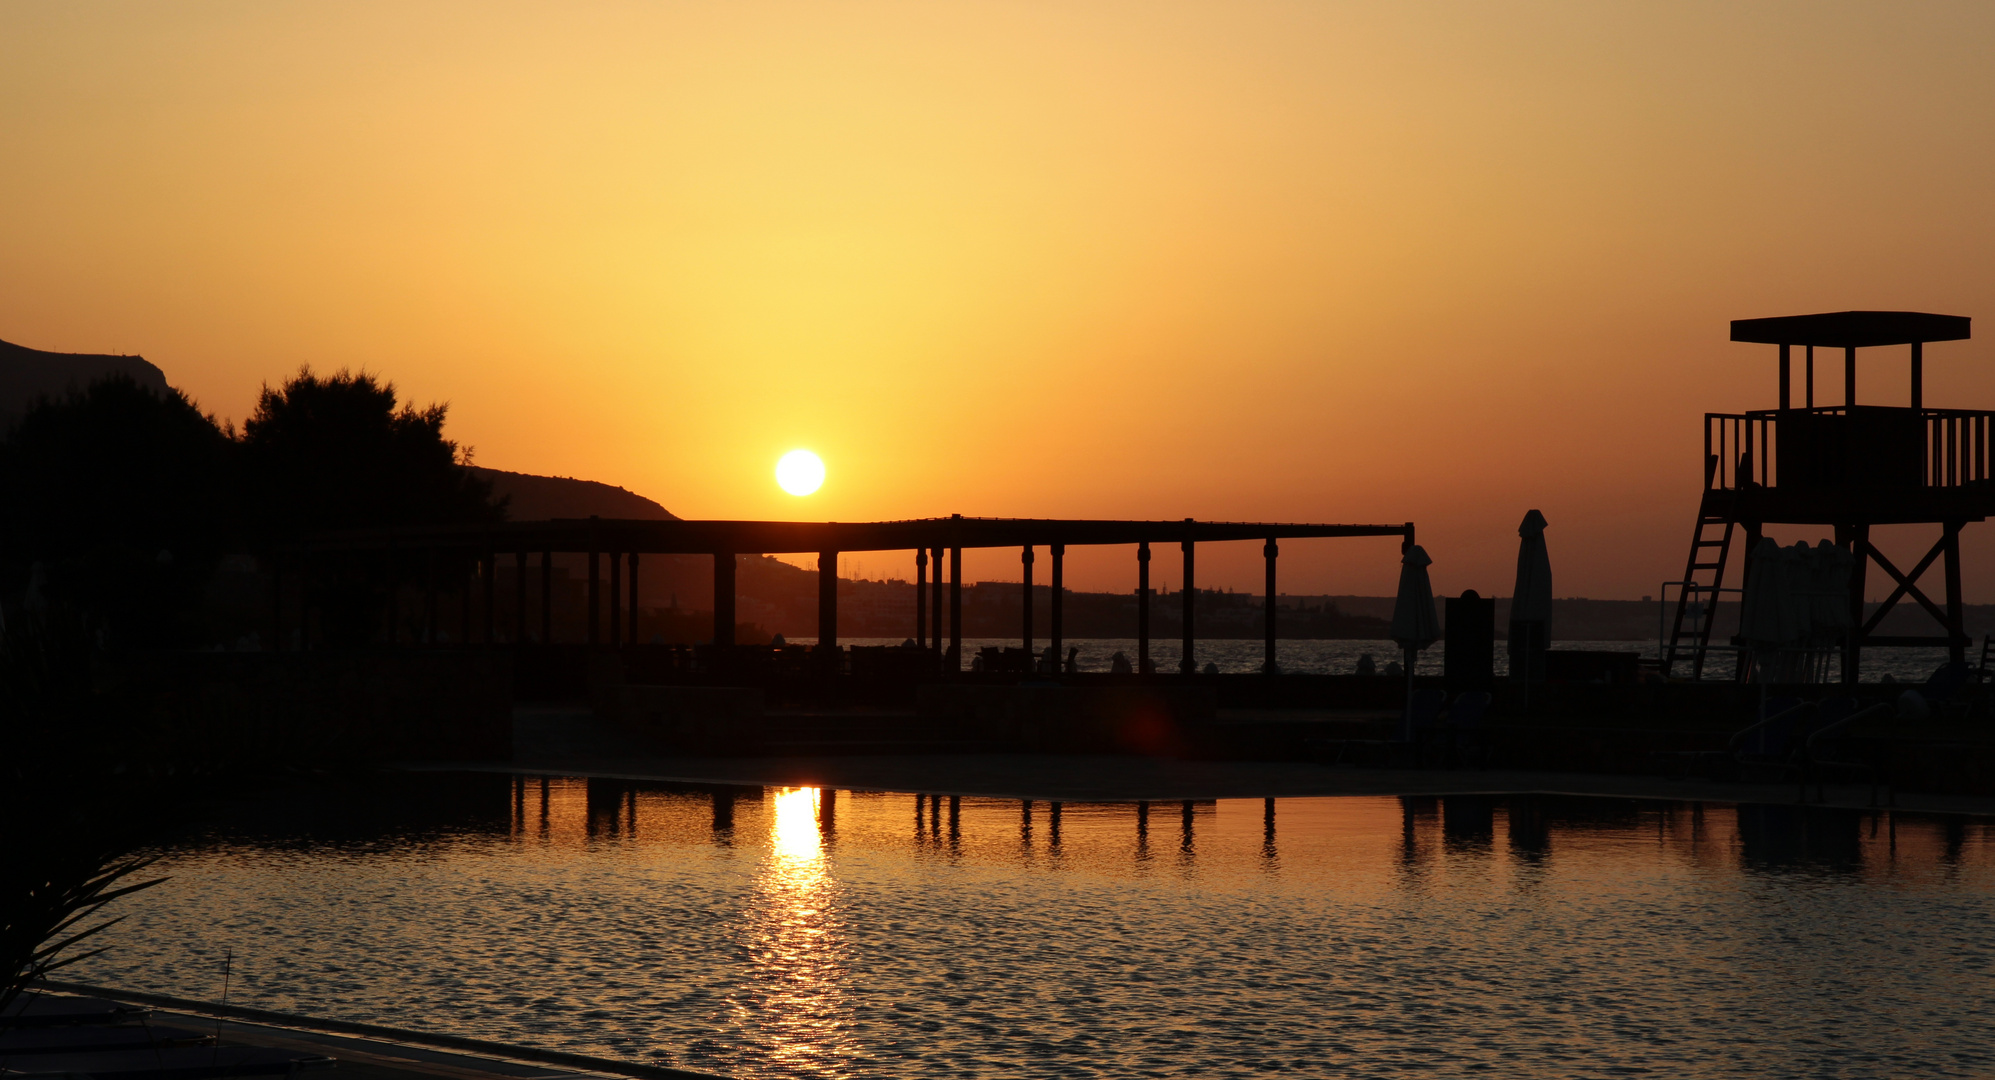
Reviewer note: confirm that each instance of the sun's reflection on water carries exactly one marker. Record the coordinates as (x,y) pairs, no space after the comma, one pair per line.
(797,1000)
(793,834)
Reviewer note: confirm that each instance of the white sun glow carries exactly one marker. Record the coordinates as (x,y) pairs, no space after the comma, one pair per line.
(800,472)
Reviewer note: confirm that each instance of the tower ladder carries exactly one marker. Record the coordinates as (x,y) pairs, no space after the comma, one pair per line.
(1709,546)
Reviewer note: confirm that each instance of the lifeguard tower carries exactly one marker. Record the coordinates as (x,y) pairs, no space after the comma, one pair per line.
(1846,466)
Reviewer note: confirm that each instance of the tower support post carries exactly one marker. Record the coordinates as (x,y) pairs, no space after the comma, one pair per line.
(1956,613)
(1854,539)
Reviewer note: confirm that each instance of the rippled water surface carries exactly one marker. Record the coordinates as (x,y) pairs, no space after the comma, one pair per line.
(772,932)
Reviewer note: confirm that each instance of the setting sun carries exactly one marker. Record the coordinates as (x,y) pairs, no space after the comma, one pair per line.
(800,472)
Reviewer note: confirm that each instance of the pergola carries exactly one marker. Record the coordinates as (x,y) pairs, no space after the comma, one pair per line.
(623,541)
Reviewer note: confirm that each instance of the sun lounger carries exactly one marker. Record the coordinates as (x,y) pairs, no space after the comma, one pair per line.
(191,1063)
(50,1010)
(1424,715)
(1464,729)
(1837,715)
(80,1038)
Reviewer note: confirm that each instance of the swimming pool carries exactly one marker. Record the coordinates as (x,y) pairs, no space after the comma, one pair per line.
(803,932)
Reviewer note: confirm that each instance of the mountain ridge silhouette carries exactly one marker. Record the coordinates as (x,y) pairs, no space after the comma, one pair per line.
(28,374)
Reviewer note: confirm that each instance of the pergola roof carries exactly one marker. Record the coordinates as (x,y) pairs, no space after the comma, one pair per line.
(782,537)
(1852,329)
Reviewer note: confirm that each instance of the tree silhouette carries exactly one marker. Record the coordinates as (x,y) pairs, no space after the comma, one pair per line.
(117,504)
(338,452)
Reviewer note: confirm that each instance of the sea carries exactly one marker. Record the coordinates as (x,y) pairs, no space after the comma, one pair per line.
(1230,656)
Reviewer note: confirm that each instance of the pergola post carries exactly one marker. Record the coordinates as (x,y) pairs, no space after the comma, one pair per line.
(935,601)
(921,596)
(491,569)
(1918,375)
(1025,560)
(616,599)
(464,603)
(394,593)
(276,603)
(1058,641)
(1786,377)
(1187,664)
(827,605)
(547,597)
(519,597)
(723,599)
(955,657)
(1270,552)
(429,596)
(631,584)
(1143,608)
(595,615)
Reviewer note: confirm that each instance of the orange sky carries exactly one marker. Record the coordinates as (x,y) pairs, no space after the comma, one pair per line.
(1294,261)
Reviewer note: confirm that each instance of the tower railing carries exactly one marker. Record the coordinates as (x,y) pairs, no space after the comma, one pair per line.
(1742,449)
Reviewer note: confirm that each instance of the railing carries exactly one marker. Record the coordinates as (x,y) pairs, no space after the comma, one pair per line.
(1737,450)
(1959,447)
(1743,448)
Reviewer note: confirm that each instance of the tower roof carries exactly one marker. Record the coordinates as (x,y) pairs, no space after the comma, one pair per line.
(1852,329)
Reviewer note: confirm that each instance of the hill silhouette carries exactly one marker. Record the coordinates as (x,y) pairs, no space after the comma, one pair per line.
(27,374)
(539,498)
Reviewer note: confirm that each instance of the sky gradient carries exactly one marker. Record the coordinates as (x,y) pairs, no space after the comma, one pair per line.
(1365,262)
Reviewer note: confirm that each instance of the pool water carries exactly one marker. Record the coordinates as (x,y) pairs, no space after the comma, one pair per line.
(764,932)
